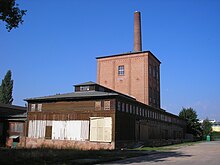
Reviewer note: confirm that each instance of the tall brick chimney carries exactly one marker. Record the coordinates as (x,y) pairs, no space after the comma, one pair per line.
(137,32)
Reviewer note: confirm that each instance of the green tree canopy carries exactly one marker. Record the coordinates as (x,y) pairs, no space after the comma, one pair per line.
(11,14)
(6,89)
(206,127)
(193,126)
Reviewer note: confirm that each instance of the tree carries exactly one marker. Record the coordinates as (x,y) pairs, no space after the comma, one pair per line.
(206,127)
(192,123)
(11,14)
(6,89)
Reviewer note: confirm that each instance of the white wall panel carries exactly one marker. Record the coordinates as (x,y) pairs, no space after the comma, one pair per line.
(61,130)
(37,128)
(84,130)
(73,130)
(58,130)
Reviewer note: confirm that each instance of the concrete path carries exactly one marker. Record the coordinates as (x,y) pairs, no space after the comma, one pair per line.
(207,153)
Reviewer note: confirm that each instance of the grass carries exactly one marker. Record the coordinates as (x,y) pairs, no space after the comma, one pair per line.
(71,156)
(168,148)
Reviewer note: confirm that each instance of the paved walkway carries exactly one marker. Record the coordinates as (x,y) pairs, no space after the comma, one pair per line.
(206,153)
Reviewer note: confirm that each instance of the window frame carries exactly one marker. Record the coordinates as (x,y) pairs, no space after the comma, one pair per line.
(121,70)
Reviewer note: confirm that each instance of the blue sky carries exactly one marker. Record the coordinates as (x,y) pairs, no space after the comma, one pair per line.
(57,45)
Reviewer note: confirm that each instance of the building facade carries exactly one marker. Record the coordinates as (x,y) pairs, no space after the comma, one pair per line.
(135,74)
(121,109)
(95,117)
(12,125)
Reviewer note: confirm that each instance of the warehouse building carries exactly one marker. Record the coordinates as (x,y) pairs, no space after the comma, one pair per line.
(120,110)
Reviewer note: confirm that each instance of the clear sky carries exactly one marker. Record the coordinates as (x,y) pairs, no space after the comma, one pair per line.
(57,45)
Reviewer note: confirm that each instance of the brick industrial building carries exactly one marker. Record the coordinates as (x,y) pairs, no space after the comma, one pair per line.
(136,74)
(122,108)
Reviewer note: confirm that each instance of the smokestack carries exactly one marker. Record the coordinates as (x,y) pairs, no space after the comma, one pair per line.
(137,32)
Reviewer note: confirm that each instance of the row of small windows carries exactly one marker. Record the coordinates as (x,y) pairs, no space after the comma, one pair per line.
(135,110)
(98,105)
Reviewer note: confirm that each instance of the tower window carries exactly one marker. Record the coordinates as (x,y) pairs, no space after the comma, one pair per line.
(121,70)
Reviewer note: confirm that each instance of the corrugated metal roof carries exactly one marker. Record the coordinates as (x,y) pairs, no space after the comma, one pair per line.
(73,95)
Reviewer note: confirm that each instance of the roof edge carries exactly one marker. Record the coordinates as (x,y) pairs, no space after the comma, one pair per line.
(129,53)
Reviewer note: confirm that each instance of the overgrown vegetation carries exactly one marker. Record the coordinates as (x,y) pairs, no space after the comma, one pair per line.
(62,156)
(71,156)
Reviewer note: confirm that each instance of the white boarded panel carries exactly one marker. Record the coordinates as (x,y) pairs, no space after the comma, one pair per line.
(73,130)
(61,130)
(101,129)
(36,128)
(84,130)
(58,130)
(93,129)
(107,134)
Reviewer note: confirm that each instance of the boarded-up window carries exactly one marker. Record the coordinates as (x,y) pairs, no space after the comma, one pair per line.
(98,105)
(71,130)
(16,127)
(107,105)
(101,129)
(61,130)
(48,132)
(36,128)
(33,107)
(39,107)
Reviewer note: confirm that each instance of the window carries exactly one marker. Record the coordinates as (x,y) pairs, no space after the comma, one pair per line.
(150,69)
(121,70)
(134,110)
(84,88)
(106,105)
(127,108)
(16,127)
(119,106)
(130,109)
(98,105)
(123,107)
(101,129)
(33,107)
(137,111)
(157,73)
(39,107)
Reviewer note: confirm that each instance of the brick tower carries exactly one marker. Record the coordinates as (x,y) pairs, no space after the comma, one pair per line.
(136,73)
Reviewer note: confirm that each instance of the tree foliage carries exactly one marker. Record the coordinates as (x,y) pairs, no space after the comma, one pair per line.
(206,127)
(11,14)
(193,126)
(6,89)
